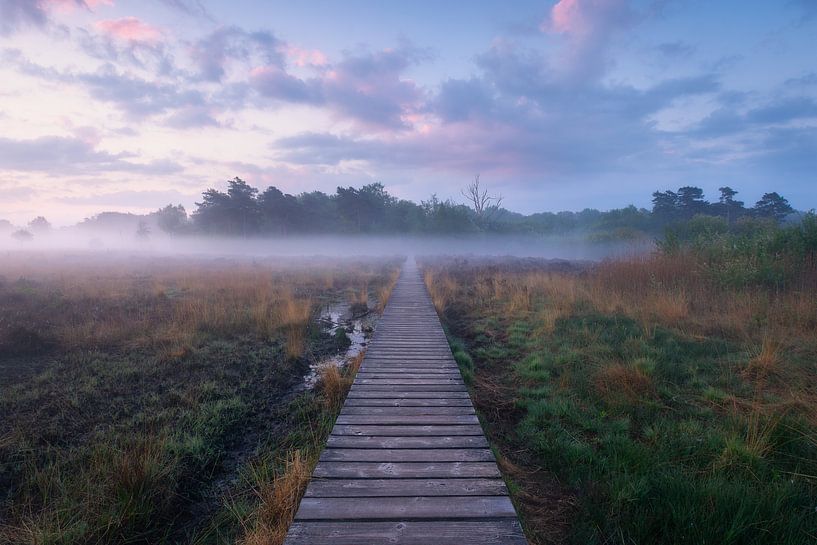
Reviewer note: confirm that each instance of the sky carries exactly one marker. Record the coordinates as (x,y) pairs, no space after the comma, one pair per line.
(130,105)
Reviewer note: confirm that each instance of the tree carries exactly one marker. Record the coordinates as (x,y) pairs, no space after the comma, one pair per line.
(484,205)
(243,205)
(665,206)
(280,213)
(171,219)
(447,216)
(727,206)
(691,201)
(39,225)
(364,209)
(772,205)
(211,215)
(318,213)
(234,212)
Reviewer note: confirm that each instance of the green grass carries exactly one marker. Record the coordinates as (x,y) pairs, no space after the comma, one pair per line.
(662,436)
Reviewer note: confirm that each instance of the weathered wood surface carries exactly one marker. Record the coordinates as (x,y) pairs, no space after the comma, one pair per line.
(407,461)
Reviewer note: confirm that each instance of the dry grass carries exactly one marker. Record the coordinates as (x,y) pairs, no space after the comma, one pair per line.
(278,500)
(384,292)
(654,290)
(335,382)
(91,303)
(766,358)
(279,496)
(294,316)
(619,383)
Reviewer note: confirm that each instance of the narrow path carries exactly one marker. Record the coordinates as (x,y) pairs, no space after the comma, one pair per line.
(407,462)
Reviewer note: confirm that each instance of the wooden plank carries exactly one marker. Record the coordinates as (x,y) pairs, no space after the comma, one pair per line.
(401,420)
(373,488)
(391,411)
(409,388)
(409,363)
(406,381)
(397,375)
(419,507)
(480,532)
(343,429)
(405,470)
(412,357)
(407,455)
(366,370)
(396,394)
(407,402)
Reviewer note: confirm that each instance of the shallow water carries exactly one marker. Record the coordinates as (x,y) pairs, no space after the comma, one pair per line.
(359,329)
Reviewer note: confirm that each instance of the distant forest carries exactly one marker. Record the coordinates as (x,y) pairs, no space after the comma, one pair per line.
(245,211)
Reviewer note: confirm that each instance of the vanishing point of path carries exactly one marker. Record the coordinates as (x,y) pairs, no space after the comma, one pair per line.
(407,462)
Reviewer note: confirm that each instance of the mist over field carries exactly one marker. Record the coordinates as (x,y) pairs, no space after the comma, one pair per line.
(538,246)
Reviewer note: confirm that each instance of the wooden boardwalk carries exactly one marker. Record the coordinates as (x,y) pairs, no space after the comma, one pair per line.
(407,462)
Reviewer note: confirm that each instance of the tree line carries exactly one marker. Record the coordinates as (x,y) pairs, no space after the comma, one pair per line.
(245,211)
(242,210)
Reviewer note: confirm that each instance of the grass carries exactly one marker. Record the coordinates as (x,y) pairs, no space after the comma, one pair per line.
(652,401)
(278,478)
(142,396)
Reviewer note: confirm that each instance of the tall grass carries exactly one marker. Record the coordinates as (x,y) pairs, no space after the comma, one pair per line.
(133,382)
(674,406)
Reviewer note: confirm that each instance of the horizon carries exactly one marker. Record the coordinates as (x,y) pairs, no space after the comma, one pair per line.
(114,105)
(191,212)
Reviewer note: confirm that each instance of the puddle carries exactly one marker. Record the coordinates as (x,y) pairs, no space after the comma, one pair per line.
(358,329)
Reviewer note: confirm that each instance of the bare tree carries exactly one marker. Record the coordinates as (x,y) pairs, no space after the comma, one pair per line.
(483,204)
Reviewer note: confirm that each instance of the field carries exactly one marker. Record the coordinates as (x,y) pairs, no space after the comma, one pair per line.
(162,400)
(666,398)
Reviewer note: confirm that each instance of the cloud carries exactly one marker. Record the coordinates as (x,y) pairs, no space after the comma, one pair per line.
(59,155)
(516,118)
(275,82)
(130,29)
(306,57)
(213,53)
(728,120)
(190,7)
(367,87)
(16,14)
(152,56)
(137,97)
(459,100)
(588,27)
(676,50)
(194,117)
(806,80)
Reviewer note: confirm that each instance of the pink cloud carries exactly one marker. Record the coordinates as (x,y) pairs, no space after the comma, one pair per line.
(130,29)
(566,16)
(588,26)
(586,17)
(306,57)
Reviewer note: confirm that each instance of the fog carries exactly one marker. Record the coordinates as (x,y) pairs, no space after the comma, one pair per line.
(572,247)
